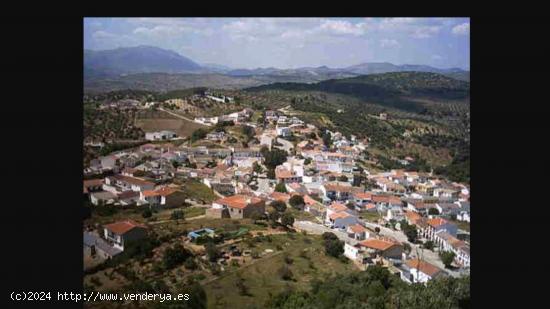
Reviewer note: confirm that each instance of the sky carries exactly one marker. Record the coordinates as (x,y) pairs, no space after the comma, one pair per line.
(292,42)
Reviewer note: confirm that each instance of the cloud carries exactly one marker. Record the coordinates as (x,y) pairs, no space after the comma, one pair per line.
(418,28)
(462,29)
(101,35)
(389,43)
(437,57)
(343,27)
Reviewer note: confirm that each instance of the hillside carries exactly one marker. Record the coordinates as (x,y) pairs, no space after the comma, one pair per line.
(388,89)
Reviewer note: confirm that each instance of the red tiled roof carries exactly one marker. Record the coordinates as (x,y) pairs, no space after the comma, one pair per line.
(123,227)
(337,188)
(238,201)
(279,196)
(339,215)
(357,228)
(377,244)
(435,222)
(338,207)
(425,267)
(363,195)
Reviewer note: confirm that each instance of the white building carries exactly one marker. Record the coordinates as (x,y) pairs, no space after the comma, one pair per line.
(159,136)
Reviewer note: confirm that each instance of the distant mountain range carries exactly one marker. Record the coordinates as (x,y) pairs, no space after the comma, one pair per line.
(118,67)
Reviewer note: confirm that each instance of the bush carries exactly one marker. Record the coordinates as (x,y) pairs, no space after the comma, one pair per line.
(429,245)
(190,264)
(296,201)
(288,260)
(212,252)
(147,213)
(447,257)
(174,256)
(280,206)
(280,187)
(334,247)
(287,219)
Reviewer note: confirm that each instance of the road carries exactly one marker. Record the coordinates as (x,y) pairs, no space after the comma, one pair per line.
(177,115)
(287,146)
(416,251)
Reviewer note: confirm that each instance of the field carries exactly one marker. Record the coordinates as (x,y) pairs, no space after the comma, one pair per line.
(150,121)
(262,278)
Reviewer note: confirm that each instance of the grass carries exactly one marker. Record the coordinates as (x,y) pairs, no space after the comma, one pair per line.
(198,191)
(262,278)
(370,216)
(155,121)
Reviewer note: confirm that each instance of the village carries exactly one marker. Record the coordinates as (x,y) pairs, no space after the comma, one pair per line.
(288,177)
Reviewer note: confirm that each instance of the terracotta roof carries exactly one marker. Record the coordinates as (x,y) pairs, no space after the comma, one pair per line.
(166,191)
(279,196)
(339,215)
(377,244)
(363,195)
(425,267)
(91,183)
(337,188)
(413,216)
(380,198)
(283,173)
(357,228)
(309,200)
(338,207)
(149,193)
(435,222)
(370,206)
(123,227)
(238,201)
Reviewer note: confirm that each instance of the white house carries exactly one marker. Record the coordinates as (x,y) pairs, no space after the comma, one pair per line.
(420,271)
(120,234)
(283,131)
(161,135)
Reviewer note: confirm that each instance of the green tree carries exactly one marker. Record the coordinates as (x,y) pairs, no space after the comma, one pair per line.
(198,134)
(280,206)
(147,213)
(447,257)
(433,211)
(274,157)
(287,219)
(280,187)
(429,245)
(257,168)
(334,247)
(174,256)
(296,201)
(177,215)
(411,232)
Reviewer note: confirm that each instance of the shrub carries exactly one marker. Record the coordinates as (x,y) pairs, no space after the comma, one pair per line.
(147,213)
(285,273)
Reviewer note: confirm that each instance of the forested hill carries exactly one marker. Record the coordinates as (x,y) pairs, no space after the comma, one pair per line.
(393,89)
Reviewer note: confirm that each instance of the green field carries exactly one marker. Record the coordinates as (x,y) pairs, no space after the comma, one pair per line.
(262,278)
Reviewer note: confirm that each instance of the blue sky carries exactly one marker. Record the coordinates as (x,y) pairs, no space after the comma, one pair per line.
(292,42)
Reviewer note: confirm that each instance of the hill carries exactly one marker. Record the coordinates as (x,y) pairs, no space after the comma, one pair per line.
(140,59)
(396,90)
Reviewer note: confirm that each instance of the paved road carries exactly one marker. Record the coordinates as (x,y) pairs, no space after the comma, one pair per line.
(287,146)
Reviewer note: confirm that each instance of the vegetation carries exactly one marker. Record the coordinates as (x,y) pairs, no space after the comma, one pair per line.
(287,219)
(279,206)
(447,257)
(333,246)
(296,201)
(273,157)
(377,288)
(280,187)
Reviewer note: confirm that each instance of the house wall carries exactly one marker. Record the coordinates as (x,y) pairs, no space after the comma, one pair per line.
(394,252)
(351,252)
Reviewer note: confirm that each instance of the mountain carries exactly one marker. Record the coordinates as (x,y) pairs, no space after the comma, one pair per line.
(386,67)
(217,68)
(140,59)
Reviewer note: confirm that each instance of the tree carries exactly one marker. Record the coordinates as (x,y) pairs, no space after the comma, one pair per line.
(274,157)
(447,257)
(280,206)
(190,264)
(177,215)
(334,247)
(312,135)
(296,201)
(329,236)
(433,211)
(280,187)
(307,161)
(271,173)
(350,205)
(274,216)
(287,219)
(411,232)
(212,251)
(174,256)
(198,134)
(377,230)
(147,213)
(257,168)
(429,245)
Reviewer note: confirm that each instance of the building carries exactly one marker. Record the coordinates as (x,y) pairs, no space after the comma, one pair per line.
(102,198)
(92,185)
(123,233)
(337,191)
(286,176)
(160,136)
(164,197)
(420,271)
(204,232)
(382,248)
(97,247)
(240,206)
(120,183)
(283,131)
(357,232)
